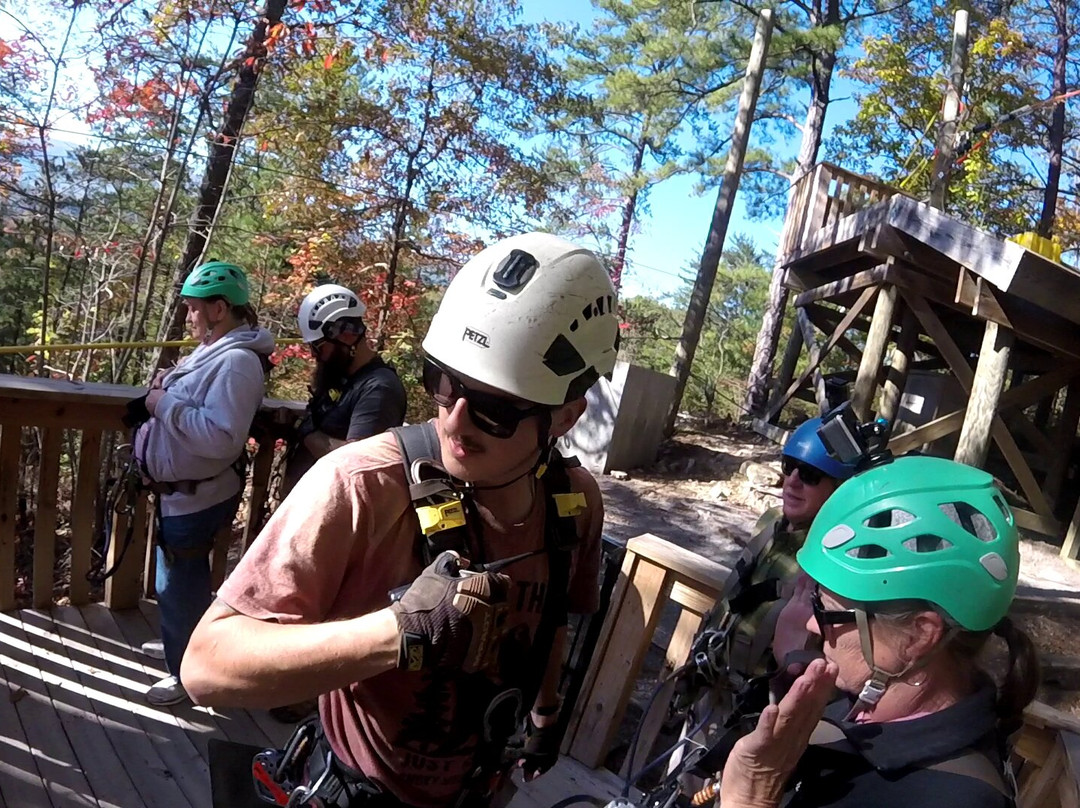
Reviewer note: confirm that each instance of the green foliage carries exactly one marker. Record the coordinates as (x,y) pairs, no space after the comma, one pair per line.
(903,80)
(726,349)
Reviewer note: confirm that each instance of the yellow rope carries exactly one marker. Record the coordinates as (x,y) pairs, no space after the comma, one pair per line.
(109,346)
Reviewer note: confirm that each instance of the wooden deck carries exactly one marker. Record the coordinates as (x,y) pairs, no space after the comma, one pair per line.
(76,731)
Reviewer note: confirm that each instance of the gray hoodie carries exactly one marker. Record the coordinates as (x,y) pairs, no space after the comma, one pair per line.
(201,423)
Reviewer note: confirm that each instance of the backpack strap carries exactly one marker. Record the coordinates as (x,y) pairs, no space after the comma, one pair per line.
(440,506)
(967,762)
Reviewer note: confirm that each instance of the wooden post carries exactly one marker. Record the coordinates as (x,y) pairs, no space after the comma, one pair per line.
(896,380)
(10,454)
(725,201)
(122,588)
(985,395)
(812,347)
(946,140)
(862,399)
(45,516)
(1064,438)
(787,366)
(82,515)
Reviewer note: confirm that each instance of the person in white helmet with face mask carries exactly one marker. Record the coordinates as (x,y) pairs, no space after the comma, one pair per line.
(354,393)
(417,696)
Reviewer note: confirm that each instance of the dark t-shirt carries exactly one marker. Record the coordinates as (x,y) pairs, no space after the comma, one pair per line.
(370,401)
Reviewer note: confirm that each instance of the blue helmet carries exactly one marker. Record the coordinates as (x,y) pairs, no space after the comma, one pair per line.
(805,445)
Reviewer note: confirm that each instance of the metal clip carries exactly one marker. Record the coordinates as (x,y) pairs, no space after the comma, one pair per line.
(302,794)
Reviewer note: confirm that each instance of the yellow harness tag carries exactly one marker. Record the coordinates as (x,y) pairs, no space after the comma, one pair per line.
(572,504)
(444,516)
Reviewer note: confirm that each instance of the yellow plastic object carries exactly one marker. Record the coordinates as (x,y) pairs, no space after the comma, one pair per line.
(444,516)
(1048,248)
(572,504)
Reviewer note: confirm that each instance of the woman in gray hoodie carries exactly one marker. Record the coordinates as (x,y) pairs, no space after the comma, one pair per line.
(189,451)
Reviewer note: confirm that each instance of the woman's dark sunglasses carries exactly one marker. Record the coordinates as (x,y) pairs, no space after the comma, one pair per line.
(829,617)
(493,414)
(808,474)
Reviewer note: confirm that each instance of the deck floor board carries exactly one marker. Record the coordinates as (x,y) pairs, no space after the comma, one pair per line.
(76,731)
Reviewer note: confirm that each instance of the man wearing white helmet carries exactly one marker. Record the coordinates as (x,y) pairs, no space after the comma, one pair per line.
(415,693)
(354,394)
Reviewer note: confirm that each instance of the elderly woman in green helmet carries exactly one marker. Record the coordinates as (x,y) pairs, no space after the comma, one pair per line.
(912,566)
(198,415)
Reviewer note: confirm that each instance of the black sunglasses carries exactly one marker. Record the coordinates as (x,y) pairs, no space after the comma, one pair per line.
(335,329)
(493,414)
(808,474)
(829,617)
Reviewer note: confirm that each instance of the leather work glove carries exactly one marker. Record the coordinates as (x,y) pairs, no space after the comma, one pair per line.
(541,750)
(451,620)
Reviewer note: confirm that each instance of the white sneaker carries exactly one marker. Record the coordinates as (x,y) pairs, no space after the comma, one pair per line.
(155,649)
(166,692)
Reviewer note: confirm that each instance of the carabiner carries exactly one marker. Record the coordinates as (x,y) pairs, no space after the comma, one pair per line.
(302,794)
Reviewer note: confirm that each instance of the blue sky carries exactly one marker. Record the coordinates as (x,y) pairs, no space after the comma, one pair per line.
(671,237)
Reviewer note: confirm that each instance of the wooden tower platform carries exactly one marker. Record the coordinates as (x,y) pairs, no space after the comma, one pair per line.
(897,286)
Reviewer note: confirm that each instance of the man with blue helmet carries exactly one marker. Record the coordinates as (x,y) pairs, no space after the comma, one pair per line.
(738,646)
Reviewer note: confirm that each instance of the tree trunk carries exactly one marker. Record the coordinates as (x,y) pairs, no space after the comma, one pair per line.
(629,210)
(222,151)
(772,319)
(1057,120)
(725,201)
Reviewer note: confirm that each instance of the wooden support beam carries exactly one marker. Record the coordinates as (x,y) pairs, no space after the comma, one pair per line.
(825,319)
(862,399)
(903,352)
(851,283)
(814,351)
(837,333)
(1064,438)
(1015,398)
(962,370)
(984,395)
(787,367)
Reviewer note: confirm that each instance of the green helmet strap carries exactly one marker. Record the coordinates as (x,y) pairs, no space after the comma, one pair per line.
(880,679)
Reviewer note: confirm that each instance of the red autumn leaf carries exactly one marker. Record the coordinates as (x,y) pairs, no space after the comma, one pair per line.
(328,62)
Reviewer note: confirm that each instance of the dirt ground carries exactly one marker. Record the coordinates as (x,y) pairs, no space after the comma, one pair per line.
(695,496)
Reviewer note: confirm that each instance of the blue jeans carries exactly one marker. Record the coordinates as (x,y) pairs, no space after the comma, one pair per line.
(183,574)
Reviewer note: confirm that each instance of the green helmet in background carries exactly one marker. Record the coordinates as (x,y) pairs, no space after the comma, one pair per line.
(218,279)
(920,528)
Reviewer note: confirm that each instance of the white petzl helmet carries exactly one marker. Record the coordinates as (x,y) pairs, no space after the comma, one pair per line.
(325,304)
(533,316)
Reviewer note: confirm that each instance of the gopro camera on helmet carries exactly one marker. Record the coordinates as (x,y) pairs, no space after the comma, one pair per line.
(848,441)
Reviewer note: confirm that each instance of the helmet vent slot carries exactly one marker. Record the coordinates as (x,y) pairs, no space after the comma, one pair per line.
(869,551)
(889,518)
(970,519)
(1003,508)
(927,543)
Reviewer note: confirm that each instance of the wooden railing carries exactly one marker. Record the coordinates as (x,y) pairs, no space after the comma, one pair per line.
(824,196)
(48,426)
(656,573)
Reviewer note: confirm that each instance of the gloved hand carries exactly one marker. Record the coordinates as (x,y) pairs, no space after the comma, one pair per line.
(135,412)
(451,620)
(541,750)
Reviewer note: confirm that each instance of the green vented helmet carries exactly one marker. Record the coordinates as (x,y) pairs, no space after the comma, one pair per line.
(920,528)
(217,279)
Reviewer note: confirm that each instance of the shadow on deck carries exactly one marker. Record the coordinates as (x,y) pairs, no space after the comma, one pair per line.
(75,729)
